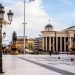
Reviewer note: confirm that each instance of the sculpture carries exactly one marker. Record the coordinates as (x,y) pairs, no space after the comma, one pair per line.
(14,37)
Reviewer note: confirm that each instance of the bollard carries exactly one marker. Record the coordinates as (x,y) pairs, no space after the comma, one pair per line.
(72,59)
(58,57)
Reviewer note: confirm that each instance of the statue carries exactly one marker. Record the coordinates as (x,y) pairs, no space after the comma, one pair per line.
(14,37)
(14,48)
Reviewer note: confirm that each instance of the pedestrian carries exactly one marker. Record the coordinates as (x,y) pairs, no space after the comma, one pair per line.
(50,53)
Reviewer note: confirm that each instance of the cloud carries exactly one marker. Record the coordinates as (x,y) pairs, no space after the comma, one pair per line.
(36,18)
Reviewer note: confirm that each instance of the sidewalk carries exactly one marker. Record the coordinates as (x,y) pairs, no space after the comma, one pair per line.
(12,65)
(37,65)
(64,65)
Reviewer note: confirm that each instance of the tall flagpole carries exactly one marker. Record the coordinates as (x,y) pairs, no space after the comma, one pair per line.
(24,26)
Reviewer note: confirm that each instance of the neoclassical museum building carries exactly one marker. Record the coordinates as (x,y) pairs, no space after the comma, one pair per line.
(57,41)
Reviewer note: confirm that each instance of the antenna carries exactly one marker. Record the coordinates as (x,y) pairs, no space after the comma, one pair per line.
(49,21)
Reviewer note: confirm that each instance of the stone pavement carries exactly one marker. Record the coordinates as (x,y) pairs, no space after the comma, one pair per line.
(20,65)
(49,67)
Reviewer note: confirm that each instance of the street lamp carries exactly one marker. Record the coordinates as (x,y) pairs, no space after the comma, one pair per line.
(25,22)
(24,26)
(24,36)
(10,15)
(67,45)
(2,21)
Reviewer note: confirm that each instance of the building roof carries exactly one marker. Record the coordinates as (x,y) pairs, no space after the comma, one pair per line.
(21,37)
(48,26)
(70,28)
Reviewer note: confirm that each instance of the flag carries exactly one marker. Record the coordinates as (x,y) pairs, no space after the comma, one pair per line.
(32,0)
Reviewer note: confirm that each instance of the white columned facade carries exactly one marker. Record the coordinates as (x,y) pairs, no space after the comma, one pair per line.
(62,38)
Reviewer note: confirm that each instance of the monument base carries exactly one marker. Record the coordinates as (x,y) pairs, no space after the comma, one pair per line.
(14,51)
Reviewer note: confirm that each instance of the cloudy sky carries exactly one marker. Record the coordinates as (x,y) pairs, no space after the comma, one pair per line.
(60,12)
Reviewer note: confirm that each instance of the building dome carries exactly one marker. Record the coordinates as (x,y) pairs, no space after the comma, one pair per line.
(48,27)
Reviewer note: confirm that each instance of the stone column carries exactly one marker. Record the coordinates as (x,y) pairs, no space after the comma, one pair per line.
(43,44)
(60,44)
(65,44)
(50,44)
(70,43)
(57,43)
(46,43)
(53,45)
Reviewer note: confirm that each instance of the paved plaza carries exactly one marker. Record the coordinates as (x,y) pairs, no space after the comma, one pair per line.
(38,65)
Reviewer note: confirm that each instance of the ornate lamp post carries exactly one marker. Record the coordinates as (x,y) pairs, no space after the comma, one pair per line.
(2,21)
